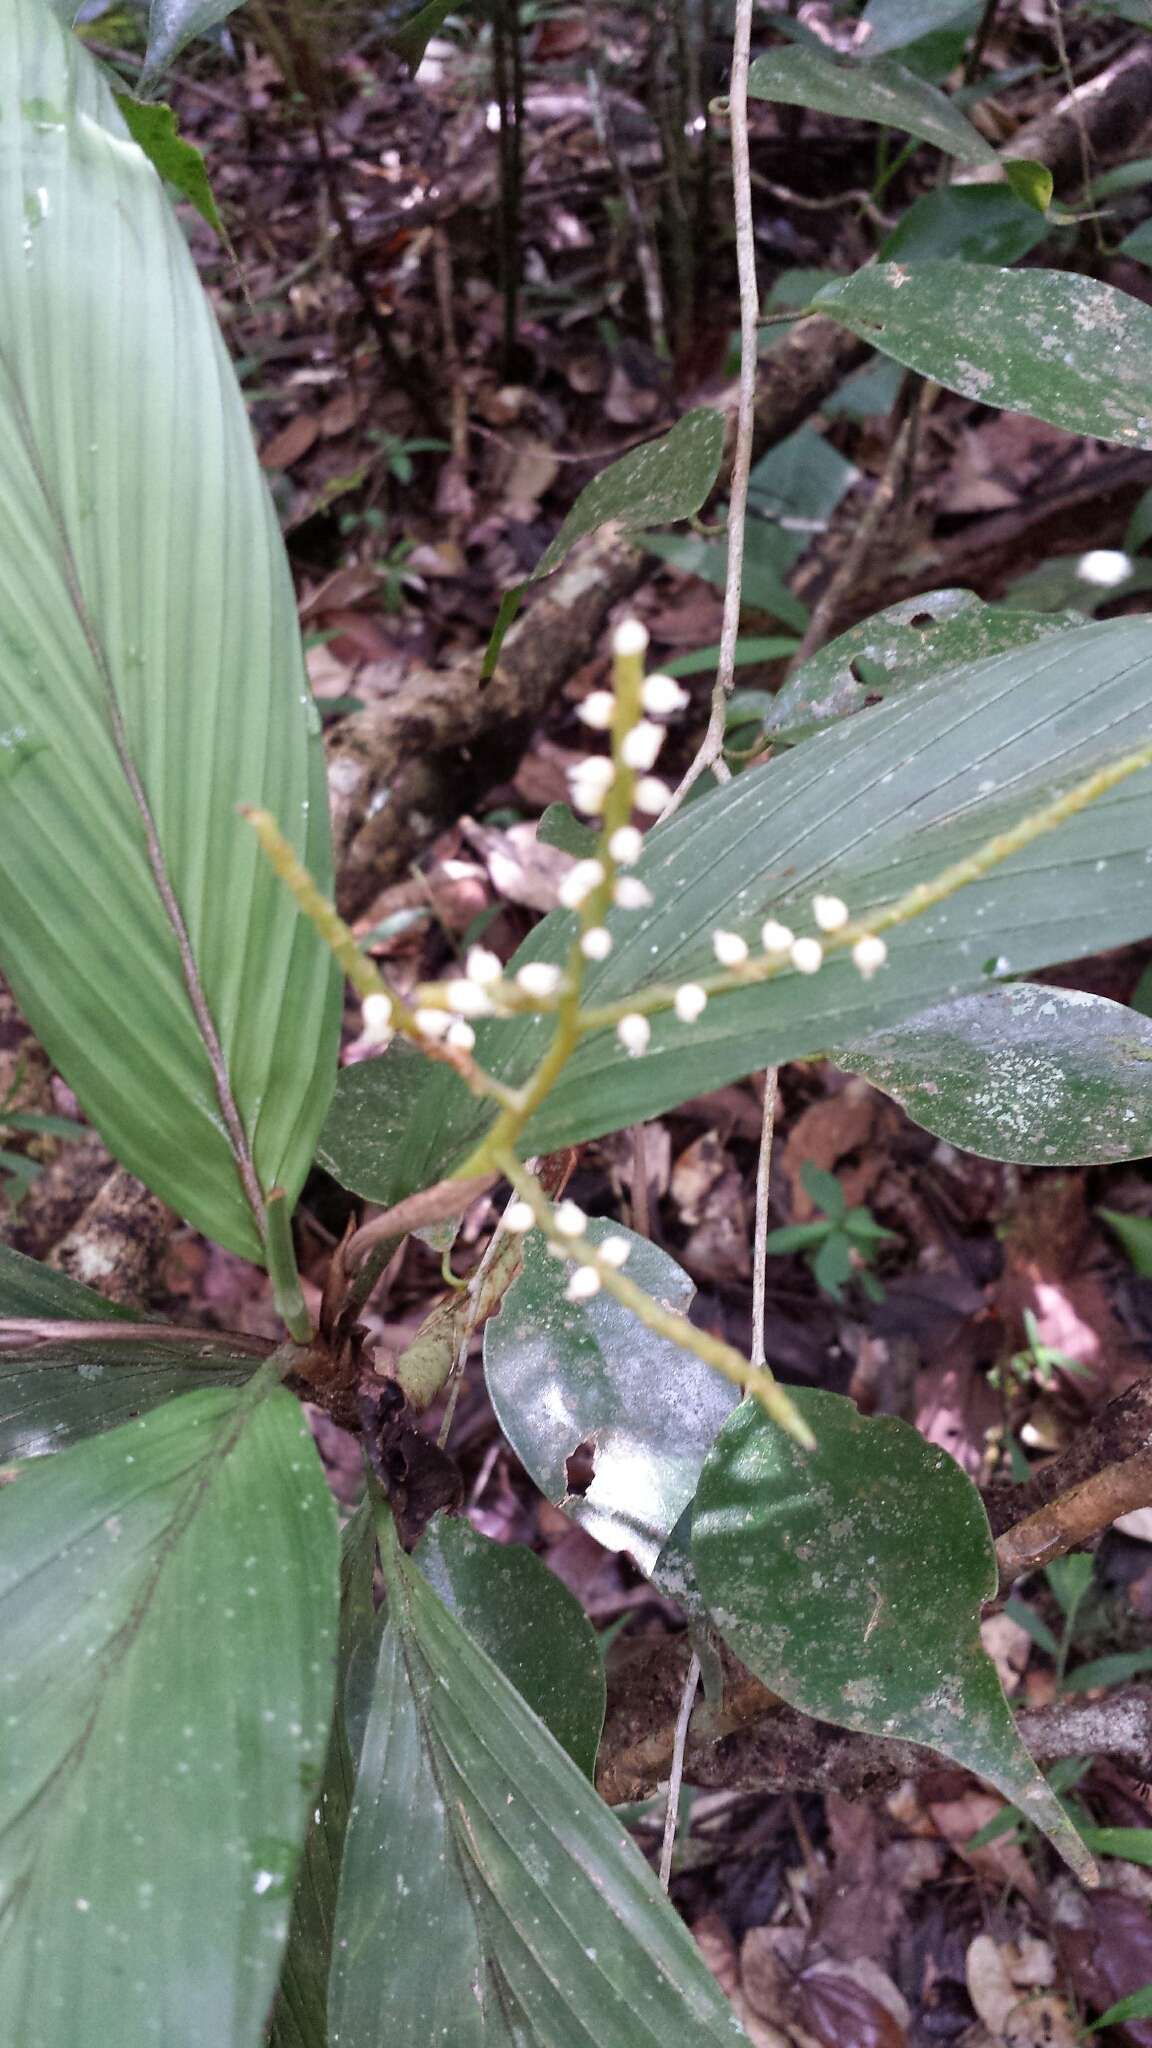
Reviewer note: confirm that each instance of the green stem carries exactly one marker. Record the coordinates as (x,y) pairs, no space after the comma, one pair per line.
(282,1269)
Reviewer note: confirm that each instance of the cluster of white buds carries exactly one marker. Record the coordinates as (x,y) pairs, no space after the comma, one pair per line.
(591,779)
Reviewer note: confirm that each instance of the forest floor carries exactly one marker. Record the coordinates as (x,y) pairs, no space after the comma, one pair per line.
(421,459)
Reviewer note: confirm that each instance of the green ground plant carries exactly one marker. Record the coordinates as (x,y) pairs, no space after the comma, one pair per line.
(235,1795)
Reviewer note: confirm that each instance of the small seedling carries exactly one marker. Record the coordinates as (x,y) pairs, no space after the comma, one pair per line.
(840,1246)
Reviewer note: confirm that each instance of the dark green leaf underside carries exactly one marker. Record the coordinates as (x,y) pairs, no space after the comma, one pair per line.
(527,1621)
(488,1897)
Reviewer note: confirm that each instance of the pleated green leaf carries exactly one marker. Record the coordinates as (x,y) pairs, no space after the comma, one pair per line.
(56,1390)
(28,1288)
(1040,1076)
(867,808)
(151,677)
(488,1897)
(1064,348)
(527,1621)
(850,1579)
(300,2014)
(804,76)
(168,1610)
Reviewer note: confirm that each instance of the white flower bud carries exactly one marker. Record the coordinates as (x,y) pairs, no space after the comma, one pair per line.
(518,1218)
(830,913)
(585,1282)
(690,1001)
(579,883)
(467,998)
(651,795)
(868,954)
(634,1032)
(539,978)
(483,967)
(631,893)
(596,943)
(589,783)
(639,748)
(730,949)
(460,1034)
(570,1219)
(807,955)
(630,638)
(662,696)
(598,711)
(376,1012)
(626,845)
(615,1251)
(432,1023)
(775,937)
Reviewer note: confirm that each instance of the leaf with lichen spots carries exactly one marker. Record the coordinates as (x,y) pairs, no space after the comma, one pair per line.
(1039,1076)
(1065,349)
(850,1580)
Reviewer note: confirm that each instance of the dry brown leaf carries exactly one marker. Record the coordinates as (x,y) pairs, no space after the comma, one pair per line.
(1009,1647)
(1002,1861)
(824,1134)
(292,442)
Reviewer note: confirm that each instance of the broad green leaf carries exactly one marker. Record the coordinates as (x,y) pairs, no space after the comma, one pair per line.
(750,648)
(1137,2006)
(1130,177)
(1139,243)
(885,92)
(412,37)
(893,24)
(762,587)
(29,1289)
(850,1579)
(564,1374)
(300,2015)
(868,808)
(802,478)
(1064,348)
(911,642)
(151,677)
(560,827)
(167,1606)
(488,1898)
(971,223)
(1133,1844)
(1031,182)
(172,23)
(1114,1670)
(531,1626)
(153,125)
(1040,1076)
(1135,1234)
(55,1390)
(655,485)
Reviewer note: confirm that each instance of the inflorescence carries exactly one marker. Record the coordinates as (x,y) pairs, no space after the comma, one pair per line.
(610,788)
